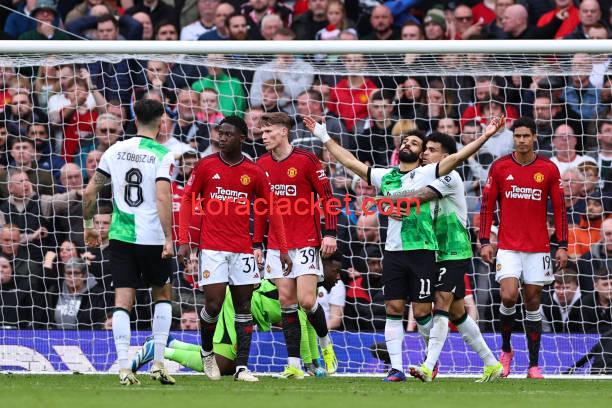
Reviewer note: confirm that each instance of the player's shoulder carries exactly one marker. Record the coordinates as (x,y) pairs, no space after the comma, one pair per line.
(501,163)
(206,161)
(264,159)
(300,153)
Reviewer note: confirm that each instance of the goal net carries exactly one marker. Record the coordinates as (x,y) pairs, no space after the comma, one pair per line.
(62,104)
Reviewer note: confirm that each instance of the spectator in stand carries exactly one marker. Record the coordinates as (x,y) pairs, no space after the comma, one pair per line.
(6,74)
(308,24)
(601,62)
(87,8)
(573,191)
(435,24)
(253,146)
(599,257)
(147,25)
(335,15)
(189,319)
(381,20)
(410,101)
(549,113)
(373,142)
(502,142)
(157,9)
(45,155)
(15,249)
(77,119)
(21,113)
(165,138)
(494,29)
(564,142)
(185,286)
(187,107)
(486,10)
(294,73)
(238,27)
(59,100)
(561,306)
(597,306)
(569,24)
(604,153)
(107,27)
(16,298)
(108,130)
(439,103)
(220,30)
(54,261)
(485,90)
(270,24)
(23,159)
(232,100)
(310,103)
(332,292)
(45,15)
(580,94)
(166,30)
(449,126)
(80,303)
(272,99)
(588,231)
(464,26)
(207,19)
(591,176)
(4,135)
(516,25)
(255,10)
(589,13)
(19,21)
(209,107)
(93,159)
(349,98)
(100,255)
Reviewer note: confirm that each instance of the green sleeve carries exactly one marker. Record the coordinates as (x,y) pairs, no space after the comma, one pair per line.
(239,99)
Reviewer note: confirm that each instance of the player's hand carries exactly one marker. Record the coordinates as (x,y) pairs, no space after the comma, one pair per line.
(168,251)
(495,125)
(258,254)
(183,253)
(486,253)
(286,264)
(92,237)
(317,129)
(561,258)
(328,247)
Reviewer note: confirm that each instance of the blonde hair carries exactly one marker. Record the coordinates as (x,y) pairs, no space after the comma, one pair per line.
(403,126)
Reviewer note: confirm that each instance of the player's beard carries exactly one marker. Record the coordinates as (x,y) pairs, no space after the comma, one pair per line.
(407,156)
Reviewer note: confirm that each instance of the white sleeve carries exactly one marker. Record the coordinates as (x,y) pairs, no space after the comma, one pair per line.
(104,165)
(166,168)
(337,295)
(375,176)
(446,185)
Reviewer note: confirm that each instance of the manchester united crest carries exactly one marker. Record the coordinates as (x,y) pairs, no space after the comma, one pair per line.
(245,180)
(538,177)
(268,269)
(498,267)
(292,172)
(206,274)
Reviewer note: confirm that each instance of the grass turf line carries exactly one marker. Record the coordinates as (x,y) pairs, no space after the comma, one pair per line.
(84,391)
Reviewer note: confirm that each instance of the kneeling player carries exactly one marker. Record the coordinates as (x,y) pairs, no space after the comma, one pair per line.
(296,175)
(266,311)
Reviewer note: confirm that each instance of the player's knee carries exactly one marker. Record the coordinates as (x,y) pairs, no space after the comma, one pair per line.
(394,309)
(308,302)
(443,301)
(212,308)
(242,308)
(509,299)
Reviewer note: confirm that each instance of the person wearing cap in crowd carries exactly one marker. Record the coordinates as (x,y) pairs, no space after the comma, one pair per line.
(435,24)
(80,302)
(21,20)
(45,13)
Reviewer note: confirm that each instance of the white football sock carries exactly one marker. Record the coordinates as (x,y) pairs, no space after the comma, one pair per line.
(394,337)
(437,338)
(121,334)
(424,330)
(162,318)
(471,335)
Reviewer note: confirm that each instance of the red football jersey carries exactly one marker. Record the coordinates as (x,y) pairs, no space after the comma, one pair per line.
(300,176)
(177,196)
(221,190)
(522,192)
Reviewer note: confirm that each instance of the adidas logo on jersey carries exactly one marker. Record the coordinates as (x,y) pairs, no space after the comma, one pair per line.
(312,266)
(509,177)
(216,177)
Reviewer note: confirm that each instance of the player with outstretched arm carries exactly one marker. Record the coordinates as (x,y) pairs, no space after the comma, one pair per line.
(409,258)
(223,185)
(521,183)
(296,174)
(141,246)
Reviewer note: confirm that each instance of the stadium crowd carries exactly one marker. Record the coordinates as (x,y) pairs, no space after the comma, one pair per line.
(56,122)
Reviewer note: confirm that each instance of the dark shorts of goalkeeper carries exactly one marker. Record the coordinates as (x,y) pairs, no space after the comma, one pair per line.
(409,275)
(451,277)
(137,266)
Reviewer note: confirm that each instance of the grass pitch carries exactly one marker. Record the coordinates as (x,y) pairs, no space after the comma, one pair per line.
(84,391)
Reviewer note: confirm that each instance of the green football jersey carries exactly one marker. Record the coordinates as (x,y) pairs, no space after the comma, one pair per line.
(416,231)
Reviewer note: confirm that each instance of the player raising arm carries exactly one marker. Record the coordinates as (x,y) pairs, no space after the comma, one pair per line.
(140,234)
(296,175)
(521,183)
(225,183)
(409,257)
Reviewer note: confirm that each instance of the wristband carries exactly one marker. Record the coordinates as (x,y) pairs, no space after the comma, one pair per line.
(88,224)
(320,131)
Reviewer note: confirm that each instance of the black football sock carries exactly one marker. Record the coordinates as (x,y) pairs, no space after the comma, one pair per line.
(506,319)
(208,325)
(244,333)
(533,331)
